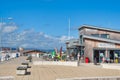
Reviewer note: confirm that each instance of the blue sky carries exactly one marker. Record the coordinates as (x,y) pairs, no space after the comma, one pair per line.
(50,17)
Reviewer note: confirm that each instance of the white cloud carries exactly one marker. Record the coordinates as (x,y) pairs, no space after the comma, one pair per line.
(31,39)
(24,45)
(46,36)
(65,38)
(2,25)
(8,29)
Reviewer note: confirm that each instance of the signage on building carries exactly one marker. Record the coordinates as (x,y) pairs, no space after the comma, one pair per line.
(106,45)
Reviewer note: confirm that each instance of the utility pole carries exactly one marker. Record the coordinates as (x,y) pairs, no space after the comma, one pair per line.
(1,34)
(68,37)
(69,30)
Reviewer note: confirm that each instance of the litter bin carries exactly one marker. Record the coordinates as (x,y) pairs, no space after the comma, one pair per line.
(86,60)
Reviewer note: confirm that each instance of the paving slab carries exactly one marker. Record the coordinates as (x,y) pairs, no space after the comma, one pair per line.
(53,72)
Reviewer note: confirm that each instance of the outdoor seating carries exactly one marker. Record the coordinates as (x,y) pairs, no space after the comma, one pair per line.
(21,70)
(25,63)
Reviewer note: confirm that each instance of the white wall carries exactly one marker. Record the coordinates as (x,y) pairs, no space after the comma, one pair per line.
(55,63)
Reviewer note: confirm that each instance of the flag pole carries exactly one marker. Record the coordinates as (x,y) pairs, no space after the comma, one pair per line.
(69,30)
(68,35)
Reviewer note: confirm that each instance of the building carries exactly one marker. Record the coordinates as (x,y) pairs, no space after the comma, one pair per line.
(34,53)
(99,44)
(73,48)
(7,53)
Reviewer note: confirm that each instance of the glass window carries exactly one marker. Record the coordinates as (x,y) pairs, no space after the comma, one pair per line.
(104,36)
(95,35)
(117,53)
(81,39)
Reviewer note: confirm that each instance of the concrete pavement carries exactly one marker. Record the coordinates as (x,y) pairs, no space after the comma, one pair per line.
(52,72)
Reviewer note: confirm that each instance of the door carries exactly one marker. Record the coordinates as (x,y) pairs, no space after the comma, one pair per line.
(99,54)
(96,55)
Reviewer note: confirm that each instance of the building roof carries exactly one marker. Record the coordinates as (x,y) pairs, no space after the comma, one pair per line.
(29,51)
(72,40)
(98,28)
(101,39)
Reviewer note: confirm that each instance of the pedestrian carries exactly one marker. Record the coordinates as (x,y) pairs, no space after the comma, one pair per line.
(103,59)
(95,61)
(0,58)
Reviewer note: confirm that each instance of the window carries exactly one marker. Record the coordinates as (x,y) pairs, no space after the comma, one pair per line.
(101,35)
(95,35)
(105,36)
(81,39)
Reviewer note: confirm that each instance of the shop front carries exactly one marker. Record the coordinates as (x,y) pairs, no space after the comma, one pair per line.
(103,55)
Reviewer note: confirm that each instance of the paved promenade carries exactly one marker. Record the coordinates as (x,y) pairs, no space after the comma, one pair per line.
(47,72)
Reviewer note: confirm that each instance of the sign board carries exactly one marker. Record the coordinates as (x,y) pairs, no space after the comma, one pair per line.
(106,45)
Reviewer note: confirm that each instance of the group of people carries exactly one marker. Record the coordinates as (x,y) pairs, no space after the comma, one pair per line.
(103,59)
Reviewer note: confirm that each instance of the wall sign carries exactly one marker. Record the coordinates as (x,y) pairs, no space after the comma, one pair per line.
(106,45)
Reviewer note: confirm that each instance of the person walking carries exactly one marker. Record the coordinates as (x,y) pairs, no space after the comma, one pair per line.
(95,61)
(78,58)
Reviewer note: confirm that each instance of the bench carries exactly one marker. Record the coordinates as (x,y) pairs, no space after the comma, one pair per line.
(25,63)
(21,70)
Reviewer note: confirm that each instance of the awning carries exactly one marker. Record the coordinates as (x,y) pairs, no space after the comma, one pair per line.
(98,48)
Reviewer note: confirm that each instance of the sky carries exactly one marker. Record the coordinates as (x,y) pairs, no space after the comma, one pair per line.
(45,23)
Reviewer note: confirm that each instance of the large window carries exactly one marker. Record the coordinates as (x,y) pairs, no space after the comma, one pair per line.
(81,39)
(101,35)
(95,35)
(105,36)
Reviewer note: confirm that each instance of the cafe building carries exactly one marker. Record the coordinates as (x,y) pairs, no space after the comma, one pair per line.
(72,46)
(98,44)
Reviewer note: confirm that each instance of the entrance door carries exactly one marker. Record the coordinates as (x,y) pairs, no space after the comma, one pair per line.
(96,55)
(114,56)
(111,56)
(99,54)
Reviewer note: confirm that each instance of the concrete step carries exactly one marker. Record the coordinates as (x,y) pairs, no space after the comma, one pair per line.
(111,66)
